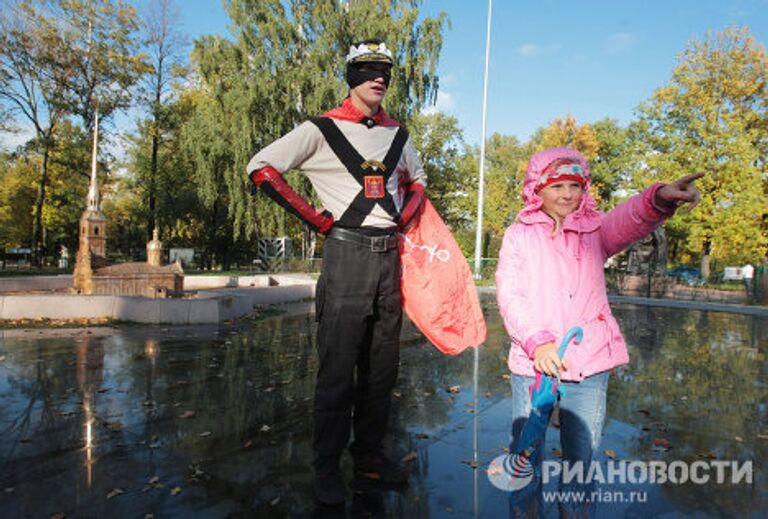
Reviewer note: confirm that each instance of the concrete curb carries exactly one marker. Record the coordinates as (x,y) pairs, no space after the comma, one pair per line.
(212,307)
(760,311)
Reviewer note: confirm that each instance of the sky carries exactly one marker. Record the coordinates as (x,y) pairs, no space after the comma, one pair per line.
(549,58)
(592,59)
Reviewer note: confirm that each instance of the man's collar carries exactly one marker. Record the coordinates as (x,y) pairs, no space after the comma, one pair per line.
(349,112)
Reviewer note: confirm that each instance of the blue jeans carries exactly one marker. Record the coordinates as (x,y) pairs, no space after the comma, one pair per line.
(582,414)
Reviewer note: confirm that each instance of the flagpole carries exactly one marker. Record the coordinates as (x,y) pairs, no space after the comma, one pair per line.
(480,191)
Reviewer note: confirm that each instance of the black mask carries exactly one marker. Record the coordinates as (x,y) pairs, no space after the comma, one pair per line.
(356,76)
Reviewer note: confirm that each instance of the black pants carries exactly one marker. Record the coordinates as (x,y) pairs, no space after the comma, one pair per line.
(359,310)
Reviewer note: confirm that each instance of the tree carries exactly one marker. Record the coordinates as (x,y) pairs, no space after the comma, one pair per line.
(285,65)
(610,166)
(96,43)
(57,57)
(438,139)
(712,116)
(505,167)
(165,45)
(31,87)
(17,196)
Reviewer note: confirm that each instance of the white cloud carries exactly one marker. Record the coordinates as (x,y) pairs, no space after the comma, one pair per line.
(530,50)
(445,103)
(620,42)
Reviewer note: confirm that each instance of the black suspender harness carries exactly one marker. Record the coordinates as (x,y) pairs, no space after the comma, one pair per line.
(372,175)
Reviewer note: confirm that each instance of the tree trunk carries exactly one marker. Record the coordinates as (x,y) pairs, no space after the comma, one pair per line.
(37,224)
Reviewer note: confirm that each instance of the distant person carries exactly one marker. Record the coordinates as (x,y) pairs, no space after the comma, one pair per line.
(748,274)
(365,170)
(550,278)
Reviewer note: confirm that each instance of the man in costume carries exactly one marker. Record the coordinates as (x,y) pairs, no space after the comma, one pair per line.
(365,170)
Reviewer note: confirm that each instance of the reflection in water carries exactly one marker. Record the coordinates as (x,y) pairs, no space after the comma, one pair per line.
(90,362)
(222,417)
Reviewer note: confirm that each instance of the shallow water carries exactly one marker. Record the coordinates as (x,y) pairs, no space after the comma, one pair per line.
(216,421)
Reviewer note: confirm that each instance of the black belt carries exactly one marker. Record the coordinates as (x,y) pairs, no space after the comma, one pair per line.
(382,243)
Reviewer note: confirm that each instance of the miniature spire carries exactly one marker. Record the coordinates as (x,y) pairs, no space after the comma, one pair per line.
(93,190)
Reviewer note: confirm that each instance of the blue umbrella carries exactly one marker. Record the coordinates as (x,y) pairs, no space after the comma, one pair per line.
(514,471)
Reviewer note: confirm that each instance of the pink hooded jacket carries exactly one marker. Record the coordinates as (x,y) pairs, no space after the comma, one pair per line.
(547,284)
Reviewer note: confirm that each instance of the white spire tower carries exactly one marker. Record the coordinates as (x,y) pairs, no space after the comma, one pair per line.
(93,190)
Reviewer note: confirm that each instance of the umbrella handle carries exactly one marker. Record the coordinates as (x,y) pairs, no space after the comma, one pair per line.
(575,333)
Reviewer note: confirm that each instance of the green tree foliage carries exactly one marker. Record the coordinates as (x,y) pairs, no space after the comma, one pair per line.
(438,139)
(95,43)
(165,46)
(505,159)
(177,208)
(57,58)
(610,165)
(712,116)
(31,88)
(18,192)
(286,64)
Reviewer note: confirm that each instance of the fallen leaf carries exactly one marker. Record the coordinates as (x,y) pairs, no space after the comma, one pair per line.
(739,439)
(248,444)
(397,394)
(265,428)
(763,436)
(2,358)
(154,480)
(188,414)
(506,376)
(176,491)
(610,453)
(205,434)
(454,389)
(421,436)
(115,492)
(411,456)
(274,501)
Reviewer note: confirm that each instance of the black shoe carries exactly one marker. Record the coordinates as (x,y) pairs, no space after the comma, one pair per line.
(378,468)
(329,489)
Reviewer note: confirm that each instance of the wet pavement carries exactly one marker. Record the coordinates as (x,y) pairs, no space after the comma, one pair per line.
(216,421)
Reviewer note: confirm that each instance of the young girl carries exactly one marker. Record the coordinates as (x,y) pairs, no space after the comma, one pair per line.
(550,278)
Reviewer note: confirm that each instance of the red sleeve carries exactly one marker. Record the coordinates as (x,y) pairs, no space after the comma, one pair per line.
(274,186)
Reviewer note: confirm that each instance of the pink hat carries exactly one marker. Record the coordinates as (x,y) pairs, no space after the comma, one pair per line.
(560,170)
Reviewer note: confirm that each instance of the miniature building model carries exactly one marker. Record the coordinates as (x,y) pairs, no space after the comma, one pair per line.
(93,276)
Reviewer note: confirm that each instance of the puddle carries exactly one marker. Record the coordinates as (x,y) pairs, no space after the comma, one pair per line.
(216,422)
